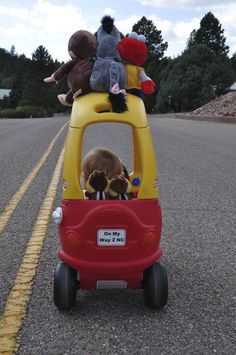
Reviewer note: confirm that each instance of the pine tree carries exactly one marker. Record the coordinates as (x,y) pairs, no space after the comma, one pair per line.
(233,63)
(211,34)
(17,90)
(191,41)
(13,50)
(154,40)
(156,49)
(36,93)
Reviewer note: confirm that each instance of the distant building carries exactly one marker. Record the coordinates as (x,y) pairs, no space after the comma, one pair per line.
(232,87)
(4,92)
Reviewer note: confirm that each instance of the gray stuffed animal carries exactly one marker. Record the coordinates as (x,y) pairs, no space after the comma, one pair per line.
(108,72)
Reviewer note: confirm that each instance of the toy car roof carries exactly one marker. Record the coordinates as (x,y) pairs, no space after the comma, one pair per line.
(95,108)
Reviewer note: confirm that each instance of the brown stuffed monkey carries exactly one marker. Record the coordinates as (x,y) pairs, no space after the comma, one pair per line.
(82,50)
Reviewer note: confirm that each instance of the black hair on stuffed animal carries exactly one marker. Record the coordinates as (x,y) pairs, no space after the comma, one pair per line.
(117,102)
(107,23)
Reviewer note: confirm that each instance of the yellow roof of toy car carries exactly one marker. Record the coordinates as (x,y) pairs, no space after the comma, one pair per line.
(95,108)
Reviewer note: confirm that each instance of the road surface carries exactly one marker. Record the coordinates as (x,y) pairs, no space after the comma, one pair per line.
(197,172)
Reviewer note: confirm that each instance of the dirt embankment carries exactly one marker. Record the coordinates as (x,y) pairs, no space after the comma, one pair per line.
(224,105)
(222,109)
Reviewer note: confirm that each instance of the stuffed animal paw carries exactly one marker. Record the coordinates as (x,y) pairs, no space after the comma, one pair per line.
(62,99)
(120,189)
(97,186)
(50,79)
(148,86)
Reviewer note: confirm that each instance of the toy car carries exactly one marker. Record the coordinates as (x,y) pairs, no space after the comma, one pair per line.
(110,243)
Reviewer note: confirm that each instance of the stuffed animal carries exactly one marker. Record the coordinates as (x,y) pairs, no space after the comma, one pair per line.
(120,189)
(108,72)
(133,52)
(82,47)
(97,186)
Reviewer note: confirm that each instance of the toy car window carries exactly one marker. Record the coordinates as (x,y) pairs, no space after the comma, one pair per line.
(121,144)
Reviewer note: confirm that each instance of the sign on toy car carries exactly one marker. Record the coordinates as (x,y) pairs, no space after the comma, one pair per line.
(111,237)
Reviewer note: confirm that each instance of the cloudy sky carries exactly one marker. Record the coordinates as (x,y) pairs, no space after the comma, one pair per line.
(26,24)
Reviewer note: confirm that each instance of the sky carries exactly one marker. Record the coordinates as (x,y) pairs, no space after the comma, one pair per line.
(27,24)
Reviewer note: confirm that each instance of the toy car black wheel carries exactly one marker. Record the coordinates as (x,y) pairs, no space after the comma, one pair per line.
(155,286)
(65,286)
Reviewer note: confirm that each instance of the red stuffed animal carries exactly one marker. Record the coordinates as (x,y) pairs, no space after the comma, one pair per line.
(133,52)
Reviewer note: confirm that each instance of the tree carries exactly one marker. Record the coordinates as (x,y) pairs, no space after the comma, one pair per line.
(154,40)
(42,57)
(17,87)
(192,39)
(13,50)
(24,77)
(17,90)
(221,75)
(194,78)
(233,63)
(211,34)
(10,64)
(156,49)
(36,92)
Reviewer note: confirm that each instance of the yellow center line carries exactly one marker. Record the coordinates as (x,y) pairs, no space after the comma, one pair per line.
(9,209)
(15,308)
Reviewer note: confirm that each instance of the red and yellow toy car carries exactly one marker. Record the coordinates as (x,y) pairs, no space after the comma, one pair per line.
(110,243)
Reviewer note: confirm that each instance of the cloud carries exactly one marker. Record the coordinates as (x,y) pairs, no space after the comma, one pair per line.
(198,4)
(125,26)
(109,11)
(18,31)
(54,20)
(175,33)
(21,13)
(45,19)
(175,29)
(43,23)
(224,11)
(227,16)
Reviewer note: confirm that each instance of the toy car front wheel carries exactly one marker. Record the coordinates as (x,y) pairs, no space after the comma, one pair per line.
(65,286)
(155,286)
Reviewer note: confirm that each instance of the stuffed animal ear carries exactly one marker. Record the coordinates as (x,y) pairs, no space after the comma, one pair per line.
(133,35)
(120,189)
(141,38)
(97,186)
(97,181)
(119,185)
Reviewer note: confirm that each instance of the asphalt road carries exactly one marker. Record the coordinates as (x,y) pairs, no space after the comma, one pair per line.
(197,174)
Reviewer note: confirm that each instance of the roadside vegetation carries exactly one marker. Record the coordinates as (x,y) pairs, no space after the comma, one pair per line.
(199,74)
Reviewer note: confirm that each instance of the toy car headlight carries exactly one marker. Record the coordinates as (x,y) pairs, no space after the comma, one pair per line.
(57,215)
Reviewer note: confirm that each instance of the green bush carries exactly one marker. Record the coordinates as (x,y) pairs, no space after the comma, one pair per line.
(25,112)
